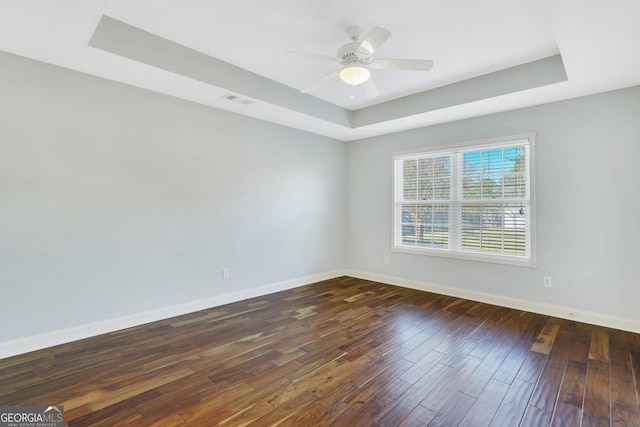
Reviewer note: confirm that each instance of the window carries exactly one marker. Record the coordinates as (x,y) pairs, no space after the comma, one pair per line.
(472,201)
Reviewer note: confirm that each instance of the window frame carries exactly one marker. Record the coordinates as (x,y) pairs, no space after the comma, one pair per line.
(396,226)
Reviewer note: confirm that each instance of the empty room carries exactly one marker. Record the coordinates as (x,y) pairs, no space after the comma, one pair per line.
(320,213)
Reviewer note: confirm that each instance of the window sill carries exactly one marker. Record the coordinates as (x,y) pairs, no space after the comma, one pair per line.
(467,256)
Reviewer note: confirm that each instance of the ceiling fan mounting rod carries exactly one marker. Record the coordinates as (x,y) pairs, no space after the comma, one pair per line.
(354,33)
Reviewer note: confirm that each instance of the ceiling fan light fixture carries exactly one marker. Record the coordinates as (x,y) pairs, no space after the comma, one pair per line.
(357,59)
(355,75)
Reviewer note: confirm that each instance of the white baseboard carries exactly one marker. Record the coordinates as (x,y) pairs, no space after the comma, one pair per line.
(50,339)
(40,341)
(568,313)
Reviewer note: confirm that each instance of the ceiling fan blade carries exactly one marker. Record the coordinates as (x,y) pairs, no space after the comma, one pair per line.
(370,89)
(317,83)
(315,56)
(374,40)
(402,64)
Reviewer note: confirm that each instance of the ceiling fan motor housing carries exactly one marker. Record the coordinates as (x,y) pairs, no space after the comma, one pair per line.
(351,56)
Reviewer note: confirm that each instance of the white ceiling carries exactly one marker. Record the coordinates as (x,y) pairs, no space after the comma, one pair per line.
(599,43)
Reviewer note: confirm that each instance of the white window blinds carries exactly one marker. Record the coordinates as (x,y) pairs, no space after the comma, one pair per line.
(472,201)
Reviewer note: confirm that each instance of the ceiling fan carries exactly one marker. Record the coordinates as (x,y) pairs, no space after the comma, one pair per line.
(357,61)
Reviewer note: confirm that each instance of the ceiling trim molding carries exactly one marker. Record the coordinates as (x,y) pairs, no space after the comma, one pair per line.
(127,41)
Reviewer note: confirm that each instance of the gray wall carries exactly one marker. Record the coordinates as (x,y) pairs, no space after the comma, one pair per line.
(588,203)
(116,200)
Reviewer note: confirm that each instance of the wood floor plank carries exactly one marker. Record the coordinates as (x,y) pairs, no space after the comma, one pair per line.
(407,402)
(174,396)
(327,407)
(544,341)
(624,400)
(546,392)
(448,387)
(454,411)
(514,405)
(426,347)
(334,413)
(118,411)
(257,395)
(421,367)
(369,389)
(102,398)
(455,355)
(620,344)
(536,417)
(343,351)
(596,411)
(532,367)
(172,421)
(513,362)
(123,417)
(285,410)
(486,406)
(419,417)
(599,347)
(580,346)
(364,415)
(570,399)
(477,381)
(392,391)
(634,357)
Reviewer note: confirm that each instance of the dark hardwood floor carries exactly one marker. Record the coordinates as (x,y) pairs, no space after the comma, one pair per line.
(344,352)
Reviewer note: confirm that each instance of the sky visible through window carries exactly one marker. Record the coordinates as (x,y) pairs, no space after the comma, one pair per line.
(491,200)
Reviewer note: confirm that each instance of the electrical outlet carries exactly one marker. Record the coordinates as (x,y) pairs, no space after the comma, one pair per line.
(225,273)
(386,259)
(546,282)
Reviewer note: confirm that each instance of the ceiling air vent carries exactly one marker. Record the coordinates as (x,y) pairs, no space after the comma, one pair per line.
(235,98)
